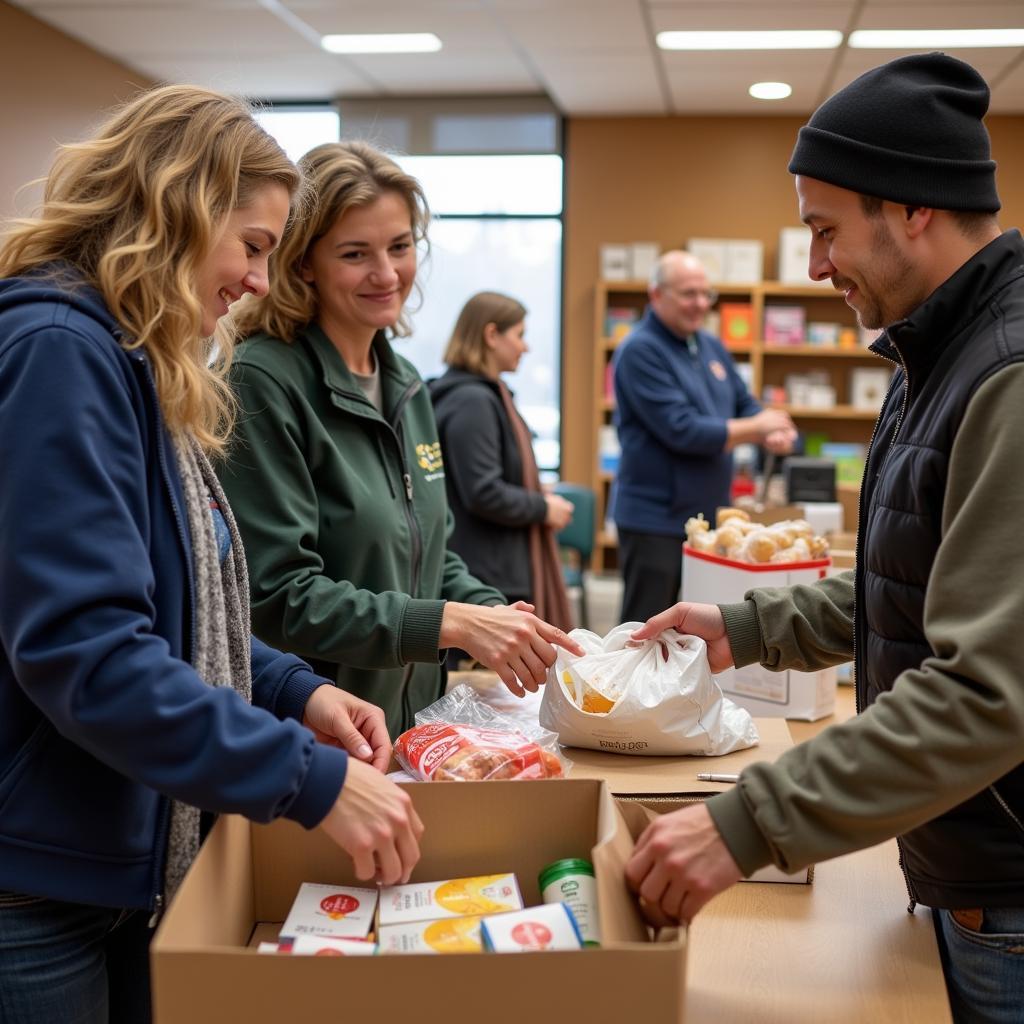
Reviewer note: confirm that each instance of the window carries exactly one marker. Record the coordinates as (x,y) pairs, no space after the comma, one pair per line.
(497,226)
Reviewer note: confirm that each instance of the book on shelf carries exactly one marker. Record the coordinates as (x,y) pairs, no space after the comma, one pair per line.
(737,322)
(811,390)
(823,335)
(619,321)
(784,325)
(868,385)
(795,257)
(849,460)
(729,260)
(616,262)
(608,450)
(609,382)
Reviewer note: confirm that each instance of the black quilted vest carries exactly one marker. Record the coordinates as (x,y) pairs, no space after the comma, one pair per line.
(971,327)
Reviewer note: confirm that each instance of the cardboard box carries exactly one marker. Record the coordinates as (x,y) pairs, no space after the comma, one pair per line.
(710,579)
(663,784)
(206,969)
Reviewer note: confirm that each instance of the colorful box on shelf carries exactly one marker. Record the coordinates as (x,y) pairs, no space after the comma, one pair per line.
(868,386)
(849,460)
(823,335)
(737,323)
(619,321)
(784,325)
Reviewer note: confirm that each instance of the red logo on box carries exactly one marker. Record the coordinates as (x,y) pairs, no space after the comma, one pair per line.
(532,935)
(339,904)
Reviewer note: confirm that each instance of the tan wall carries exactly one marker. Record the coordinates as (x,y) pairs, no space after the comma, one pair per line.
(666,179)
(54,90)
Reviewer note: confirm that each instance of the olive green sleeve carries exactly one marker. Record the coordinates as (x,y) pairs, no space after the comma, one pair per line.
(948,728)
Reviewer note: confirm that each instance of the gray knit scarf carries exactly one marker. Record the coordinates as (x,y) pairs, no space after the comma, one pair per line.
(220,641)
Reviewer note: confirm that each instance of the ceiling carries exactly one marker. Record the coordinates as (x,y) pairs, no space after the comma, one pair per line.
(590,57)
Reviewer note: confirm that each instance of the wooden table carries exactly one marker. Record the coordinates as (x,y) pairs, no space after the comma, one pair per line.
(841,950)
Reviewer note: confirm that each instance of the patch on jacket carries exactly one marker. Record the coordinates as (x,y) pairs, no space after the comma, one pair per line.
(429,458)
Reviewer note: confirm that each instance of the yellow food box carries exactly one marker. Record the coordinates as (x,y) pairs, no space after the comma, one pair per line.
(449,935)
(453,897)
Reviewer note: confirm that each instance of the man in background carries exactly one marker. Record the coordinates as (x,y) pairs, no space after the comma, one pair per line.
(680,409)
(895,181)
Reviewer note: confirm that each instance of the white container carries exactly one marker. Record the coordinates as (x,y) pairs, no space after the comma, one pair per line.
(571,881)
(534,930)
(334,911)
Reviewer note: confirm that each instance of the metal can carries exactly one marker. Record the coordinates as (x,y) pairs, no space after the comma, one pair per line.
(572,881)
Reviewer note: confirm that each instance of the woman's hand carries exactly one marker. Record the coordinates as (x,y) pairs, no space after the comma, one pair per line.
(509,639)
(343,720)
(559,514)
(374,821)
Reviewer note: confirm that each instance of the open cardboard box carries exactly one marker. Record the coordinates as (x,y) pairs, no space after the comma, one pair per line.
(658,785)
(206,969)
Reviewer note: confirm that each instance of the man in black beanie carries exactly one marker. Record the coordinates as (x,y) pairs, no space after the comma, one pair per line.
(895,180)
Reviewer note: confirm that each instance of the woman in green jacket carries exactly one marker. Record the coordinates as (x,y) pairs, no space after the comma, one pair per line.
(336,475)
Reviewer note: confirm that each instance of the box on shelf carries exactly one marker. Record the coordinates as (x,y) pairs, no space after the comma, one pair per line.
(709,579)
(619,321)
(713,323)
(737,322)
(822,334)
(608,450)
(644,256)
(784,325)
(868,385)
(795,257)
(616,262)
(730,260)
(849,459)
(811,390)
(206,968)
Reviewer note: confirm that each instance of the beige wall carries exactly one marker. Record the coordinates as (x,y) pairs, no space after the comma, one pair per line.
(666,179)
(53,90)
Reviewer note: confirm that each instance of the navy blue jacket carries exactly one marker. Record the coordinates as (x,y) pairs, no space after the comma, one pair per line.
(102,718)
(670,411)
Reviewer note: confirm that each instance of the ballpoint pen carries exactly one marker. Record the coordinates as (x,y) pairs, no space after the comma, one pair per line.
(717,777)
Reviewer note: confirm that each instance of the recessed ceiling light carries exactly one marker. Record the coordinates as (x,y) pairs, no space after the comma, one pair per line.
(771,40)
(934,38)
(392,42)
(770,90)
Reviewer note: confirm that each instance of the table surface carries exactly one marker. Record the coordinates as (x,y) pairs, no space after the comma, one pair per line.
(843,948)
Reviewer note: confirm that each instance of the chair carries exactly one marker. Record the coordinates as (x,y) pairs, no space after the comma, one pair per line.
(578,538)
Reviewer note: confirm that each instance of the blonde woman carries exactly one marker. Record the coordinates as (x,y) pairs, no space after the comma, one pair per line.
(336,474)
(127,670)
(504,520)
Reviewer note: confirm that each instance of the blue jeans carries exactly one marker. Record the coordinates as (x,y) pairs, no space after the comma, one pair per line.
(983,959)
(72,963)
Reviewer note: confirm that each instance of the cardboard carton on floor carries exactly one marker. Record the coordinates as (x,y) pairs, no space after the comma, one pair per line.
(206,968)
(710,579)
(644,786)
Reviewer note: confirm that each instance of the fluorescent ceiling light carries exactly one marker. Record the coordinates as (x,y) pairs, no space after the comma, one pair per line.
(770,90)
(772,40)
(934,38)
(393,42)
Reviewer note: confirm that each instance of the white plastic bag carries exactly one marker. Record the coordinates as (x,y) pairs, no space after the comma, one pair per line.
(659,694)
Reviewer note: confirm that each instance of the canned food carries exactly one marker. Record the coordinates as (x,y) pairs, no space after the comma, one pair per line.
(572,881)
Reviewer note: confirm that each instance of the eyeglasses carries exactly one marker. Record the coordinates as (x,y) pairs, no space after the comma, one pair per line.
(709,295)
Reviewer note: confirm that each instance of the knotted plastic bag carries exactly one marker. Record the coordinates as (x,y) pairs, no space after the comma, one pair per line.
(654,697)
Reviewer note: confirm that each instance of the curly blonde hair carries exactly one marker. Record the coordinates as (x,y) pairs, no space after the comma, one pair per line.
(135,211)
(340,176)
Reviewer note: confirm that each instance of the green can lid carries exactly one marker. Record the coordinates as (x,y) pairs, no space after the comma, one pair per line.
(561,868)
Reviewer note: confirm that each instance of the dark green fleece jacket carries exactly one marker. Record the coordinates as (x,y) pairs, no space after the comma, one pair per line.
(345,520)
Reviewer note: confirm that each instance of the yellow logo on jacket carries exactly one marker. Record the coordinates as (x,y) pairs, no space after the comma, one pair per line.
(430,461)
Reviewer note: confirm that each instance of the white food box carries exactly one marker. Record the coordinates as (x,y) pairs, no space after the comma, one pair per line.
(616,262)
(744,261)
(713,254)
(449,935)
(795,256)
(332,911)
(644,257)
(318,945)
(710,579)
(537,929)
(453,897)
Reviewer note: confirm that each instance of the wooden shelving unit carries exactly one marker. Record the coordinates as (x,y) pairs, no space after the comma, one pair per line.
(770,363)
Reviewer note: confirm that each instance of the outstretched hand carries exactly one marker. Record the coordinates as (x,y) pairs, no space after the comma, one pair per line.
(703,620)
(508,639)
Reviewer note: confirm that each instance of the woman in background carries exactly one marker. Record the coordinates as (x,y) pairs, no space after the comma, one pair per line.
(337,478)
(504,521)
(127,669)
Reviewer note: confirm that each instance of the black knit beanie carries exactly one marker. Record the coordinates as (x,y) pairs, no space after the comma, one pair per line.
(909,131)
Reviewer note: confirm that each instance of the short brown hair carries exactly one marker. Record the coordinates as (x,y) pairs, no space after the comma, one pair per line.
(972,223)
(467,348)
